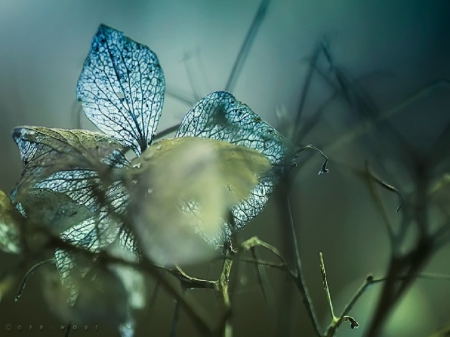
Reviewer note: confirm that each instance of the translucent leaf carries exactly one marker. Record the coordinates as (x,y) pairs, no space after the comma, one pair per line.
(67,186)
(45,151)
(93,234)
(68,272)
(96,222)
(70,198)
(53,210)
(83,186)
(220,116)
(87,188)
(66,177)
(74,269)
(122,88)
(101,300)
(185,189)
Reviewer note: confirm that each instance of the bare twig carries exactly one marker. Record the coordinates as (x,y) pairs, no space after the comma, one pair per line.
(27,275)
(176,316)
(299,277)
(304,93)
(326,287)
(247,44)
(221,287)
(264,283)
(324,168)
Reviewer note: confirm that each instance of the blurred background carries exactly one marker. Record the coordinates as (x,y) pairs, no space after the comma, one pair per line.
(390,49)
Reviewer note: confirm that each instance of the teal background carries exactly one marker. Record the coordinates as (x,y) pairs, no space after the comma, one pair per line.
(393,47)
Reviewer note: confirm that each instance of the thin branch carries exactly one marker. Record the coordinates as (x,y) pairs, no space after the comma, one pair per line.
(191,282)
(369,281)
(297,274)
(324,168)
(304,93)
(299,277)
(27,275)
(369,178)
(280,266)
(221,288)
(176,317)
(246,45)
(152,301)
(385,185)
(325,286)
(190,75)
(263,280)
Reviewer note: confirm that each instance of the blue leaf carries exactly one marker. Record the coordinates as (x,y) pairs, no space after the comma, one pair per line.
(220,116)
(122,88)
